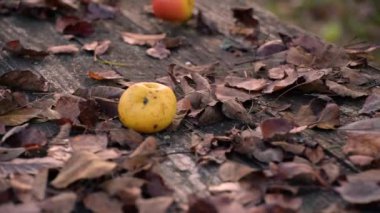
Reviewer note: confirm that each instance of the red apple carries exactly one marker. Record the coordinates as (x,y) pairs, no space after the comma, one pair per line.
(173,10)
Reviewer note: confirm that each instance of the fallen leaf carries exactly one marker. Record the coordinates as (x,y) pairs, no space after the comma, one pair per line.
(291,78)
(315,155)
(277,73)
(28,166)
(371,105)
(225,187)
(63,203)
(300,172)
(299,57)
(158,50)
(25,80)
(79,28)
(90,143)
(224,94)
(7,154)
(8,102)
(292,203)
(82,165)
(371,175)
(116,185)
(17,49)
(77,110)
(330,172)
(30,138)
(141,39)
(19,116)
(249,84)
(296,149)
(210,115)
(107,92)
(159,204)
(372,124)
(102,47)
(233,171)
(362,143)
(235,110)
(147,147)
(155,185)
(344,91)
(359,192)
(275,126)
(216,204)
(24,207)
(268,155)
(126,137)
(329,118)
(63,49)
(361,160)
(105,75)
(100,202)
(270,48)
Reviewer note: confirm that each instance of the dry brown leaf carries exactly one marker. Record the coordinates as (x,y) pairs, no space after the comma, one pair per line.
(63,203)
(141,39)
(372,175)
(277,73)
(361,160)
(344,91)
(158,51)
(235,110)
(362,143)
(102,47)
(105,75)
(330,172)
(359,192)
(224,94)
(126,137)
(7,154)
(90,143)
(82,165)
(295,171)
(25,80)
(291,203)
(371,105)
(100,202)
(270,48)
(296,149)
(63,49)
(28,166)
(233,171)
(159,204)
(291,78)
(299,57)
(329,117)
(275,126)
(116,185)
(249,84)
(147,147)
(315,155)
(24,207)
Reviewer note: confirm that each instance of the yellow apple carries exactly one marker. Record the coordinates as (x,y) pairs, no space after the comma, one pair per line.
(147,107)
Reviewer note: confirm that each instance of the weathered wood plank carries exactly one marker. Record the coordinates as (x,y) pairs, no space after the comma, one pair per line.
(68,73)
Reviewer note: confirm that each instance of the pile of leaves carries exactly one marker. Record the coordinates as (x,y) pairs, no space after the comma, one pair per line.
(92,162)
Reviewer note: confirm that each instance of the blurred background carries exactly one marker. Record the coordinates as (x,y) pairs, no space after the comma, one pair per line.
(342,22)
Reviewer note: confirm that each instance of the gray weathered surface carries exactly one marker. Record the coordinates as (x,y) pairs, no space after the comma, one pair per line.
(67,73)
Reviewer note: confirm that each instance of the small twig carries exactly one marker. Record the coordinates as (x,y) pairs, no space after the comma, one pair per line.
(111,63)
